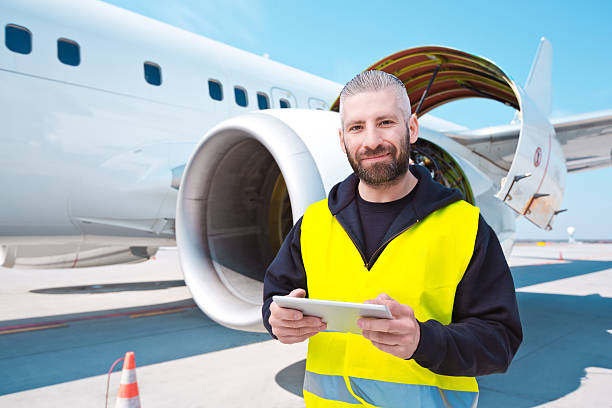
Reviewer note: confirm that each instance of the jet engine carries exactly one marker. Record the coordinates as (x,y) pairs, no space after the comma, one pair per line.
(246,184)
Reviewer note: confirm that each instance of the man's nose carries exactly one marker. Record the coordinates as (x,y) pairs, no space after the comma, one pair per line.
(372,138)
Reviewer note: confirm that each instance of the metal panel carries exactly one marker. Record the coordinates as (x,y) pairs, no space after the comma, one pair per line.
(535,183)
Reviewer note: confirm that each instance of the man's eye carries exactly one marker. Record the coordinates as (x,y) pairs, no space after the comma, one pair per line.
(386,122)
(354,128)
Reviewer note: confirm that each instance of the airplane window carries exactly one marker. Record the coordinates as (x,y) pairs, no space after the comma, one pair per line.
(240,96)
(68,52)
(18,39)
(262,100)
(215,90)
(284,103)
(152,73)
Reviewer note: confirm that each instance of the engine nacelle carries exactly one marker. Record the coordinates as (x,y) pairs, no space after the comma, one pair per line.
(248,181)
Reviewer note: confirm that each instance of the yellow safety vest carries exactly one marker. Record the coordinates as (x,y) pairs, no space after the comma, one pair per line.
(421,267)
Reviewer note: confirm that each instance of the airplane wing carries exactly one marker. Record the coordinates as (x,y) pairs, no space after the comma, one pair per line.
(586,141)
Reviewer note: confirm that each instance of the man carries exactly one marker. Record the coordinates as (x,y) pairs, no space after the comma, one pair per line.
(390,235)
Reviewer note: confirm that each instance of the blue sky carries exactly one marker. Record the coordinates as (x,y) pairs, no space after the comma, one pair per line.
(338,39)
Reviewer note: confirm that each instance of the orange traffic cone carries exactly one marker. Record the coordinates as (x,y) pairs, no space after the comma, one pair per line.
(128,389)
(561,256)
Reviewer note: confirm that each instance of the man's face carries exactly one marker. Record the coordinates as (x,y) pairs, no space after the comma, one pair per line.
(375,136)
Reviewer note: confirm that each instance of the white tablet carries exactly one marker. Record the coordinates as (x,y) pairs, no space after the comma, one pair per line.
(339,316)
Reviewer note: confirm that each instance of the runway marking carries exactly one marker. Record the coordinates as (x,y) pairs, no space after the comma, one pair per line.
(27,329)
(59,323)
(155,313)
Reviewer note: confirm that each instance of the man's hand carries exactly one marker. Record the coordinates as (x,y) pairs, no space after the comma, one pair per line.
(398,336)
(290,325)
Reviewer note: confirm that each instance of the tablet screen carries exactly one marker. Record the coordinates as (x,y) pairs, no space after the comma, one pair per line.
(339,316)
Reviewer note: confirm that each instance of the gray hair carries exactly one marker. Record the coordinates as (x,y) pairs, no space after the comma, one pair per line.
(372,81)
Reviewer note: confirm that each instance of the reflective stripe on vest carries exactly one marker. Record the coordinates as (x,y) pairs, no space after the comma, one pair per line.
(421,268)
(383,394)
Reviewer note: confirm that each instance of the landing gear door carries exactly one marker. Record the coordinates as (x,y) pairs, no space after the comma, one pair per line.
(535,184)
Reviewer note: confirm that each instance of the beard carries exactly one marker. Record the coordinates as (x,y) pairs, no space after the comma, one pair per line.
(380,174)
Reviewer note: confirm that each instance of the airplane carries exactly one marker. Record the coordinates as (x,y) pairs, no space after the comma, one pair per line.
(122,134)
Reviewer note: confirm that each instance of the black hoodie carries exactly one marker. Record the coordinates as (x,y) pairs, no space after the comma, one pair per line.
(485,331)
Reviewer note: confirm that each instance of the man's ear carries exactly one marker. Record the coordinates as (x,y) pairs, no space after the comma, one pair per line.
(341,137)
(413,126)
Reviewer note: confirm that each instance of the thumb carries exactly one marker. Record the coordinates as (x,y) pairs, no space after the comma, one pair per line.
(300,293)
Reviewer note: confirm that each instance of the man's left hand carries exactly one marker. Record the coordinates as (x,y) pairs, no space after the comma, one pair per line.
(398,336)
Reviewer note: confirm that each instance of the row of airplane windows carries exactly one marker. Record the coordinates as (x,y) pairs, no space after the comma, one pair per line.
(19,39)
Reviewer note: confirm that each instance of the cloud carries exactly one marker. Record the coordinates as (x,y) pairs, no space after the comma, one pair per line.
(559,113)
(185,17)
(238,22)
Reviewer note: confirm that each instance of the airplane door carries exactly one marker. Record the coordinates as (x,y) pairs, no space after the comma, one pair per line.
(316,103)
(282,98)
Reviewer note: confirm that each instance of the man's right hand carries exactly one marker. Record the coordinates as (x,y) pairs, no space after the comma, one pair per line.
(290,325)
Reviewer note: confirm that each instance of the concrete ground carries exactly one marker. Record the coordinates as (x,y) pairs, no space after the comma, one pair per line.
(185,359)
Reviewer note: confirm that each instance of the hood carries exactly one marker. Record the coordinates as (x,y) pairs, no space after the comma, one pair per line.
(429,195)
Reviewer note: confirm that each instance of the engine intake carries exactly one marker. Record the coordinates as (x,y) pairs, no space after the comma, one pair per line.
(248,181)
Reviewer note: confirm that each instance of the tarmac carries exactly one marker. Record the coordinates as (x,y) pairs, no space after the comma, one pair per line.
(69,326)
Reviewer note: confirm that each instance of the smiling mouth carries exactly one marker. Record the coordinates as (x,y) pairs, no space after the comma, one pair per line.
(377,157)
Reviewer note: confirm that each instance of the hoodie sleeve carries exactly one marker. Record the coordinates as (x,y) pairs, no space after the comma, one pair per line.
(285,273)
(485,331)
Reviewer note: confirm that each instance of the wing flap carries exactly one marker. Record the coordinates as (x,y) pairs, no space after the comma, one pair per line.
(586,141)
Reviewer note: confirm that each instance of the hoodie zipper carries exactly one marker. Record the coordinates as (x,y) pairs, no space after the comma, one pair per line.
(366,263)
